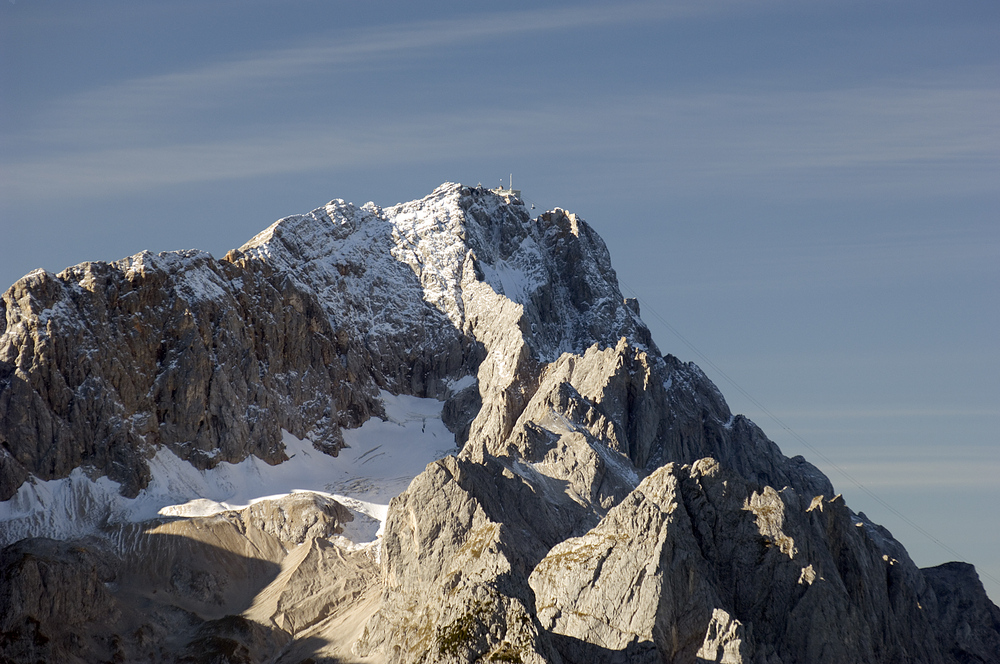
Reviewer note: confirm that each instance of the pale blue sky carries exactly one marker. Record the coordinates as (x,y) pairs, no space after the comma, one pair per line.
(809,192)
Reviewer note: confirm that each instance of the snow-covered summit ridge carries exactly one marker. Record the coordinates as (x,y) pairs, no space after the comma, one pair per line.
(386,266)
(299,329)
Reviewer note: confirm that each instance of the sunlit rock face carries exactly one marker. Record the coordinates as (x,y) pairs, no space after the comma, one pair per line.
(432,432)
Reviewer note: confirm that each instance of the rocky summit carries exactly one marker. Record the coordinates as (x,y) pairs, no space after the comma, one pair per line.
(434,432)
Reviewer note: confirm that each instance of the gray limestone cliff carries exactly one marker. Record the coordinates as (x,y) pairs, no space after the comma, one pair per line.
(102,363)
(602,503)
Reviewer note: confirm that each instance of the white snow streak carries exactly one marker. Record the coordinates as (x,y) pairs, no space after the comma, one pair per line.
(382,459)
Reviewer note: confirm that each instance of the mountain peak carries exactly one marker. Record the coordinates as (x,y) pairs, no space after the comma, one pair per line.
(469,400)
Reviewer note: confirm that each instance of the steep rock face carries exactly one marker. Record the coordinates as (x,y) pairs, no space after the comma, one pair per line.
(343,256)
(635,557)
(969,621)
(297,330)
(52,595)
(460,282)
(708,564)
(237,586)
(454,574)
(571,468)
(605,504)
(103,362)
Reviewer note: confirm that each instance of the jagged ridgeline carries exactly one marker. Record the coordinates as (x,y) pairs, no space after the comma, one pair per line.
(434,432)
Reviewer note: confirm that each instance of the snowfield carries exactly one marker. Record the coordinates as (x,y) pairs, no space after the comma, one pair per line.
(381,460)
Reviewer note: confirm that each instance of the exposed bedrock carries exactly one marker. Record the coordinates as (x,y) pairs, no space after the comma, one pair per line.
(236,586)
(605,504)
(102,363)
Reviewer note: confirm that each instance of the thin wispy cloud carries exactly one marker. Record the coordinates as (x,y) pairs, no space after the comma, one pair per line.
(920,139)
(300,149)
(954,470)
(849,131)
(888,260)
(938,474)
(135,104)
(910,137)
(883,413)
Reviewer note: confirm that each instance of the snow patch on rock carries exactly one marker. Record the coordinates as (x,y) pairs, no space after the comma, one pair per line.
(380,461)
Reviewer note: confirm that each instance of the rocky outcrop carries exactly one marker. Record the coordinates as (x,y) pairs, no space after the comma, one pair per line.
(745,556)
(237,586)
(605,504)
(968,621)
(52,596)
(715,569)
(296,330)
(102,363)
(297,517)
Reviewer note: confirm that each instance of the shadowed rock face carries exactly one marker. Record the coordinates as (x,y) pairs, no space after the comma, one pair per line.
(606,505)
(51,596)
(236,586)
(102,363)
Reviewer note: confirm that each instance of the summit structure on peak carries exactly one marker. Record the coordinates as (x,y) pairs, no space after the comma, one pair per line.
(429,432)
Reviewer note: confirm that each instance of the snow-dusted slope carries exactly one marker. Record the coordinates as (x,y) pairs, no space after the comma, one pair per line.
(180,356)
(381,458)
(376,270)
